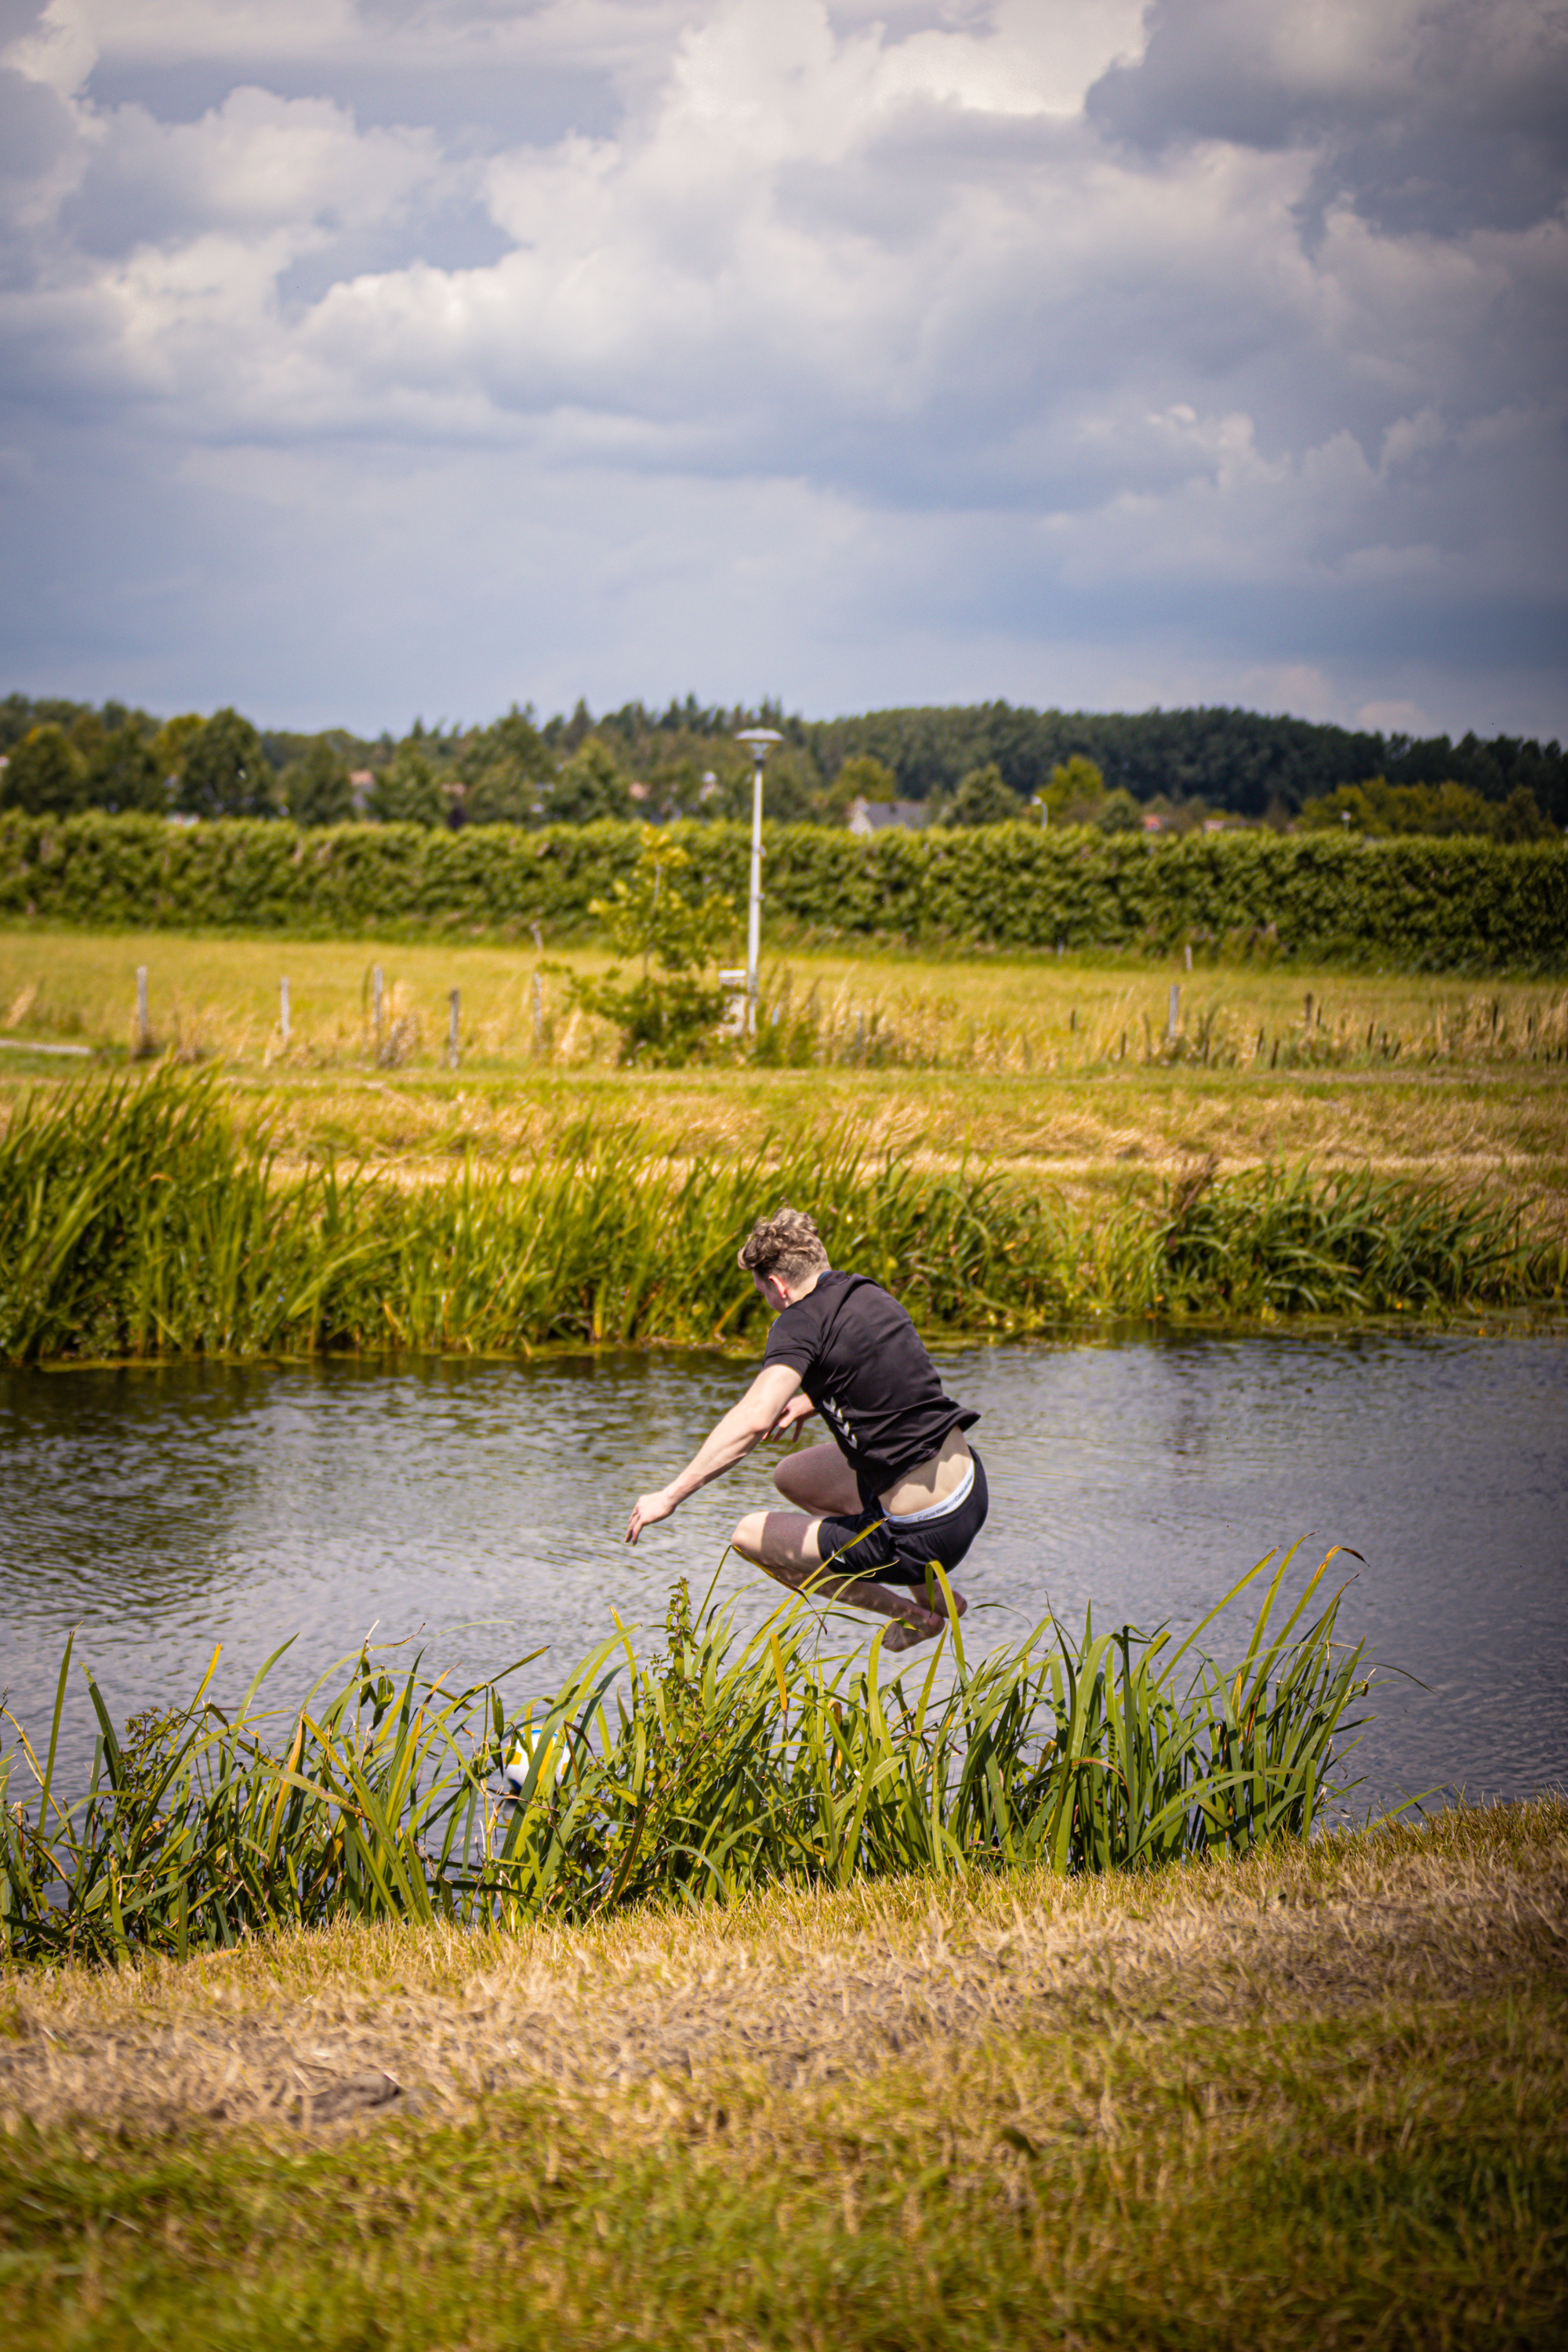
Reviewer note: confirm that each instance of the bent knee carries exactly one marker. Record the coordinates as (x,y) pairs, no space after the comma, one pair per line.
(748,1536)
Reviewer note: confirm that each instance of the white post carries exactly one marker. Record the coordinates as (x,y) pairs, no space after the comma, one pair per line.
(1189,955)
(452,1029)
(1171,1016)
(758,738)
(283,1009)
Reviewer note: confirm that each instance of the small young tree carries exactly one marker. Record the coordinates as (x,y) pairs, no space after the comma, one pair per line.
(668,1014)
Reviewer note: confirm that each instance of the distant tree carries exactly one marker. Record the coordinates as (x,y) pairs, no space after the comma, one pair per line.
(407,790)
(47,775)
(1520,818)
(1378,808)
(983,798)
(1119,813)
(315,788)
(172,743)
(505,769)
(1076,793)
(590,785)
(123,773)
(863,777)
(226,772)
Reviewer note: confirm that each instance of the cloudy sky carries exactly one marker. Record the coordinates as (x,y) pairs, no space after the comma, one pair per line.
(364,358)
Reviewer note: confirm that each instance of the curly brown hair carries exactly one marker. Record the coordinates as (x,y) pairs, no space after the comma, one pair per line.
(787,1244)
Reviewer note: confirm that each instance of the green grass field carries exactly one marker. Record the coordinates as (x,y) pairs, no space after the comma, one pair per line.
(1054,1066)
(1312,2098)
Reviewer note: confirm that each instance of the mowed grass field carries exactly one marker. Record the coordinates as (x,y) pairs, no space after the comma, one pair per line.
(1060,1065)
(1312,2098)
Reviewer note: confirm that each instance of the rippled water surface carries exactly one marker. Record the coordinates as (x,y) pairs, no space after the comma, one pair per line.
(479,1506)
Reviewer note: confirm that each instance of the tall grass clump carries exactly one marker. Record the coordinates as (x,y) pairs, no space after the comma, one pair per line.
(718,1768)
(145,1219)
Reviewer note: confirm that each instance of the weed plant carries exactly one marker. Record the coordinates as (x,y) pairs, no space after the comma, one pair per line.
(718,1769)
(145,1220)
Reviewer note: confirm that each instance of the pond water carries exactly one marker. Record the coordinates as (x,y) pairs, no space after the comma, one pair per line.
(479,1506)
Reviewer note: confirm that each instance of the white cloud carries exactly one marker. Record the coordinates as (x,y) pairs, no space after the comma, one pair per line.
(1038,326)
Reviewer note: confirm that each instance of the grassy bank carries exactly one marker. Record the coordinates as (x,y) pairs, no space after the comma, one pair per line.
(149,1218)
(1313,2097)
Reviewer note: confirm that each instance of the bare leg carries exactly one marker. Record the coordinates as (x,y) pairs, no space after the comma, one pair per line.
(818,1480)
(785,1544)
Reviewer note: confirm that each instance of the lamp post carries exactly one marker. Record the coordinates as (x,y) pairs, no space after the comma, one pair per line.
(758,738)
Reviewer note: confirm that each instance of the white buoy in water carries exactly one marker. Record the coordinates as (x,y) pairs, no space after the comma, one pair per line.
(516,1769)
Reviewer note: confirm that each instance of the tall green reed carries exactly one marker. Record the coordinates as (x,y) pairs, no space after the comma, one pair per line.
(718,1768)
(148,1219)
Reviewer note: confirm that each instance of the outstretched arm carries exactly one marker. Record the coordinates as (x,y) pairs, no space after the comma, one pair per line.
(766,1403)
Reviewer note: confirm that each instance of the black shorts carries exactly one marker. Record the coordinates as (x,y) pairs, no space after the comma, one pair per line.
(869,1546)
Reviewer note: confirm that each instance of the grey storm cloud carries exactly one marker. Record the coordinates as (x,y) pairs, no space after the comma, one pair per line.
(1056,347)
(1431,116)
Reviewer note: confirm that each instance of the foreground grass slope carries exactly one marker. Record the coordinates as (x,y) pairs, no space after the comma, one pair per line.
(1311,2098)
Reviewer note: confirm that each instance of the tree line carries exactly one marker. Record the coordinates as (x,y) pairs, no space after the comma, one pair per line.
(969,764)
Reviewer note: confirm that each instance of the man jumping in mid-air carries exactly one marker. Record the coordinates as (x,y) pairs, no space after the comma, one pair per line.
(897,1490)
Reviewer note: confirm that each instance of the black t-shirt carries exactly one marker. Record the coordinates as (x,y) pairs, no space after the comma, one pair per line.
(862,1364)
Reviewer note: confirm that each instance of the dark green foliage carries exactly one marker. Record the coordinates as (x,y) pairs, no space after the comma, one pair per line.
(125,776)
(983,798)
(226,772)
(1411,905)
(315,787)
(1237,759)
(504,770)
(407,790)
(1378,808)
(46,775)
(589,788)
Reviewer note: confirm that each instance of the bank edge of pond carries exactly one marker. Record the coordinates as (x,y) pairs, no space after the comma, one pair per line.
(1316,2091)
(151,1221)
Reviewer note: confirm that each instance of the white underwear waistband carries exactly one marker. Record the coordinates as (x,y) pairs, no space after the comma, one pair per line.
(937,1510)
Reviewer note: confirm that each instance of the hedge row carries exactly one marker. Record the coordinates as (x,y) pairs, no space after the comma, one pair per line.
(1453,904)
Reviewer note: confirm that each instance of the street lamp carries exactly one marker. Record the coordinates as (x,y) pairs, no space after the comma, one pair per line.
(758,738)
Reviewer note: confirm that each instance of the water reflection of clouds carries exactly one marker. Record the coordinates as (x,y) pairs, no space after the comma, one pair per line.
(478,1509)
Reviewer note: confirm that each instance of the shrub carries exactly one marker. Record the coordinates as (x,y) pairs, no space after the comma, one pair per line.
(1415,903)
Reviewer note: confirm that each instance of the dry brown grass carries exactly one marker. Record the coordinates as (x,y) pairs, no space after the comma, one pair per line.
(791,1992)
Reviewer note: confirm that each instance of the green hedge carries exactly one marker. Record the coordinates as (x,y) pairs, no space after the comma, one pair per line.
(1453,904)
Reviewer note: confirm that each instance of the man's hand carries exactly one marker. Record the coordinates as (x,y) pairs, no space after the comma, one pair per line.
(647,1511)
(799,1408)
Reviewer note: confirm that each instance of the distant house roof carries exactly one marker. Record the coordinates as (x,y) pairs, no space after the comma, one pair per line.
(870,816)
